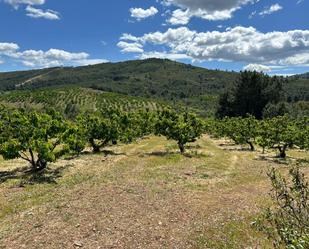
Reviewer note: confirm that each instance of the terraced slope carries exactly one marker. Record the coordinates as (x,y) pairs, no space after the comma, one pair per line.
(73,99)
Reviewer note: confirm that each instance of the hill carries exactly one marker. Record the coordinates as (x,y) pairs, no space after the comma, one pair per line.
(155,79)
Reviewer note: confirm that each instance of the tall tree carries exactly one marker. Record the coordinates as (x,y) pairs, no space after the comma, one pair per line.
(250,94)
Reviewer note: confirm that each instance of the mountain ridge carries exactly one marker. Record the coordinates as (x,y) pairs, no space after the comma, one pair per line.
(156,79)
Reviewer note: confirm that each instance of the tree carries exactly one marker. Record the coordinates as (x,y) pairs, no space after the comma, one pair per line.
(74,138)
(263,135)
(183,127)
(241,130)
(32,136)
(283,134)
(250,94)
(273,110)
(287,223)
(99,131)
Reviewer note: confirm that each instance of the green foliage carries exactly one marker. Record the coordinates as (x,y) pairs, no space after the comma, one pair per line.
(250,94)
(287,222)
(241,130)
(99,131)
(283,133)
(279,109)
(74,138)
(183,128)
(32,136)
(280,132)
(72,101)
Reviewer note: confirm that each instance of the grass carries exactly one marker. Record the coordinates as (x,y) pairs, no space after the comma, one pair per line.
(142,195)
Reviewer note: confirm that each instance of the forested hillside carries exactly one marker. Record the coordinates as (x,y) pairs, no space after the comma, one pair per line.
(154,79)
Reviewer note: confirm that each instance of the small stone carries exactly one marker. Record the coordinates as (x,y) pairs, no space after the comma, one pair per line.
(78,244)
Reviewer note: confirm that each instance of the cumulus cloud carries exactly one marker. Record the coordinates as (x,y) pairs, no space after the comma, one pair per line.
(141,14)
(39,13)
(8,48)
(130,47)
(49,58)
(205,9)
(257,67)
(241,44)
(297,59)
(272,9)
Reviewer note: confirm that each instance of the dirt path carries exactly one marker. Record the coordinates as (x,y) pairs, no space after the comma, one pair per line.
(29,81)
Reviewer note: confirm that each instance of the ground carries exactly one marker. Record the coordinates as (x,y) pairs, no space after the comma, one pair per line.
(142,195)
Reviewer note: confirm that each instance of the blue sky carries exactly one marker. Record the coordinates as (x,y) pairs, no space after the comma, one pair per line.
(270,36)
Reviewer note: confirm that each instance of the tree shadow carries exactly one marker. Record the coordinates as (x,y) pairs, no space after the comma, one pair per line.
(103,152)
(274,159)
(158,154)
(188,154)
(13,174)
(28,177)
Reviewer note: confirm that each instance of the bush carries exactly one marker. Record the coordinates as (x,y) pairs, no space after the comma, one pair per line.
(287,222)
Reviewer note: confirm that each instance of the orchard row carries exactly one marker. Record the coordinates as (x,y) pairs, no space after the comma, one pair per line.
(40,138)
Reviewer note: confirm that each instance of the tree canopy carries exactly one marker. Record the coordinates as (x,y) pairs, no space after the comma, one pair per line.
(250,95)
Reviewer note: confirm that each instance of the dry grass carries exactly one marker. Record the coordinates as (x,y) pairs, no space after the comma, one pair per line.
(143,195)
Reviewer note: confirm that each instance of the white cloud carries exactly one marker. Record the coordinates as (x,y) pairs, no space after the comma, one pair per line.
(8,48)
(206,9)
(274,8)
(86,62)
(16,3)
(297,59)
(257,67)
(163,55)
(34,12)
(141,14)
(1,62)
(39,13)
(241,44)
(127,47)
(50,58)
(43,59)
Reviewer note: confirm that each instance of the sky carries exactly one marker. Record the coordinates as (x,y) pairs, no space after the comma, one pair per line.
(265,35)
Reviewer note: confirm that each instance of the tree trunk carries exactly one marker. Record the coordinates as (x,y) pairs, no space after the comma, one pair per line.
(95,147)
(39,165)
(282,151)
(251,146)
(181,148)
